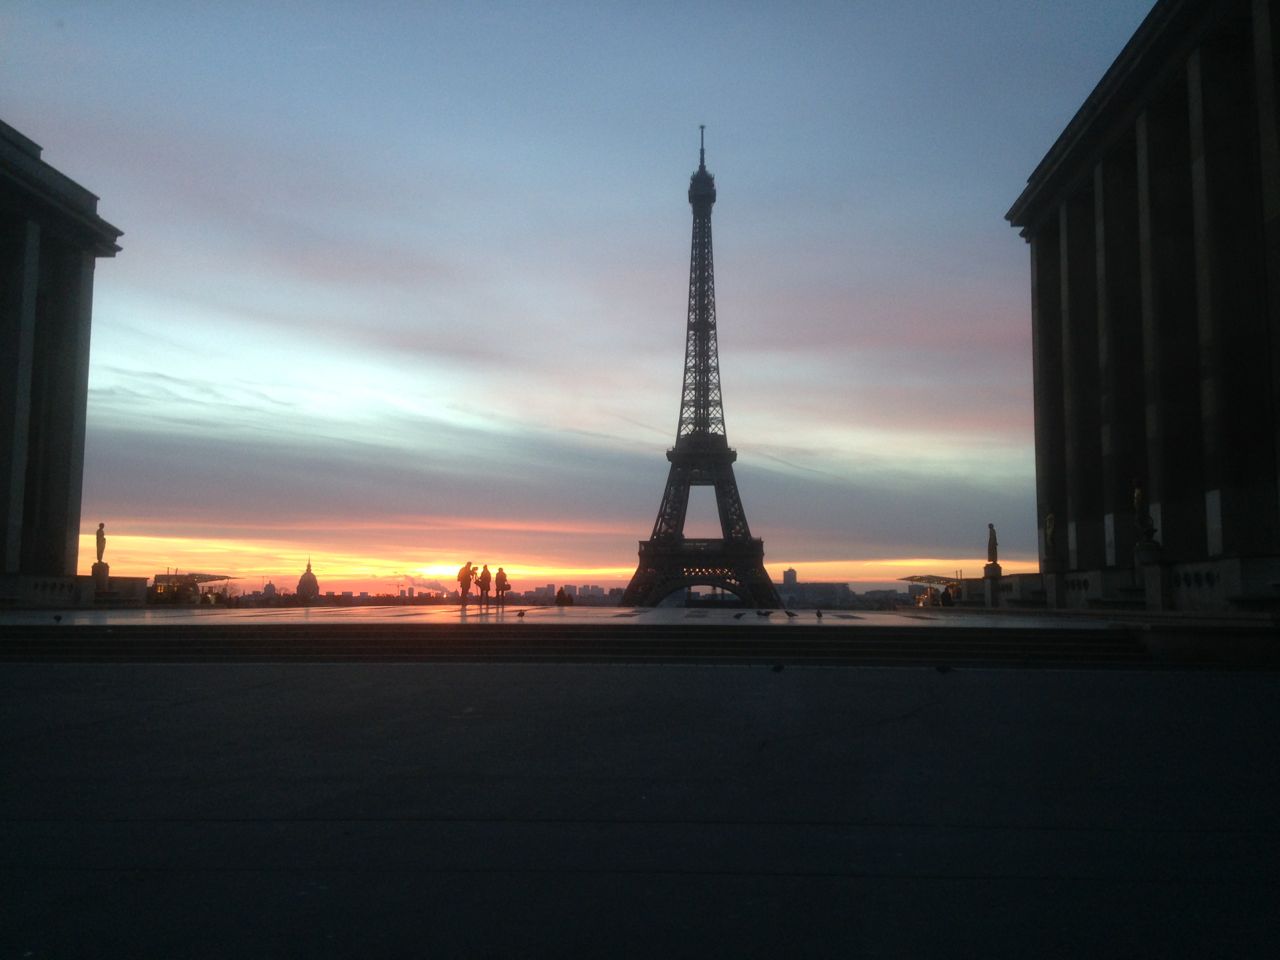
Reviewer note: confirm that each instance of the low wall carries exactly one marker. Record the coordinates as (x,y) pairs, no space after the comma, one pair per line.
(26,592)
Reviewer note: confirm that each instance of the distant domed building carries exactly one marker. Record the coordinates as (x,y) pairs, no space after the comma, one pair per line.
(308,586)
(269,590)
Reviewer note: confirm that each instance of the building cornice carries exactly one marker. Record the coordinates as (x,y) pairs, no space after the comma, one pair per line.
(1155,53)
(30,177)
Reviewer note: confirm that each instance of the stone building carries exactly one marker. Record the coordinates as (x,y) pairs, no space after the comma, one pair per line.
(1154,228)
(50,238)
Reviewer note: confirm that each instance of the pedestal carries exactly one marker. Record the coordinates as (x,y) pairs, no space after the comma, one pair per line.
(991,584)
(101,573)
(1150,574)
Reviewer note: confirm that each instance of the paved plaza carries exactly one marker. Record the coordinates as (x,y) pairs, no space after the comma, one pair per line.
(603,617)
(525,809)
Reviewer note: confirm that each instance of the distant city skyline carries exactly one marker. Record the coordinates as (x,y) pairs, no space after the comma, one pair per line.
(405,288)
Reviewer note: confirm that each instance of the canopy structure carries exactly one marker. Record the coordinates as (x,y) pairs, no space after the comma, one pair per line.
(931,580)
(188,578)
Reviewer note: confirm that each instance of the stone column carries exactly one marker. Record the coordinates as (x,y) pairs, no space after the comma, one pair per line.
(1170,334)
(19,274)
(1046,359)
(1266,47)
(1124,453)
(1082,423)
(1237,415)
(59,393)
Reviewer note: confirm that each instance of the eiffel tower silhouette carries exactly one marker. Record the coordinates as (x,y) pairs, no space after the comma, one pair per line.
(670,561)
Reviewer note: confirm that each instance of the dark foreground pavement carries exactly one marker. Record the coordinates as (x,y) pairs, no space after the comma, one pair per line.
(509,810)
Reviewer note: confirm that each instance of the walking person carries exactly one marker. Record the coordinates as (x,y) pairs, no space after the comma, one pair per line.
(465,574)
(501,585)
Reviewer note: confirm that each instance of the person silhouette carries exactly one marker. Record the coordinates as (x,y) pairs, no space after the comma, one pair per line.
(501,585)
(102,540)
(482,583)
(465,575)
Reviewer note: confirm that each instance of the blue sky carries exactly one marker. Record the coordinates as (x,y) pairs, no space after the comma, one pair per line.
(403,282)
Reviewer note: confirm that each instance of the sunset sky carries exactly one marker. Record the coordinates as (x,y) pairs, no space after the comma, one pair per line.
(403,284)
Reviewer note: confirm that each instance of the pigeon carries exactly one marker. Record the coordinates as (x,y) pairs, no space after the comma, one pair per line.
(57,618)
(520,615)
(764,613)
(790,615)
(818,614)
(739,616)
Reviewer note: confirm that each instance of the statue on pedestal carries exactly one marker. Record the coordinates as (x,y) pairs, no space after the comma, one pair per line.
(1145,526)
(992,569)
(1146,551)
(991,572)
(101,572)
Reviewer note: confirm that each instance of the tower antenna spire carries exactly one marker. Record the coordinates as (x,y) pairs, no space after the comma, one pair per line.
(702,145)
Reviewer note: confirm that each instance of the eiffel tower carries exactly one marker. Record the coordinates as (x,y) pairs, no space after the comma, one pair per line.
(670,561)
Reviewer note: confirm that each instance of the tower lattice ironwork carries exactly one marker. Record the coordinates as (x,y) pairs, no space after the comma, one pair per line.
(670,561)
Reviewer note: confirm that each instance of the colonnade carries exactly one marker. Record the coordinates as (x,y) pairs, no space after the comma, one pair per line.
(1156,317)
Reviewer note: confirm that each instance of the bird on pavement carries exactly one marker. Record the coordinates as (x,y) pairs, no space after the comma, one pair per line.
(764,613)
(818,614)
(790,615)
(739,616)
(520,615)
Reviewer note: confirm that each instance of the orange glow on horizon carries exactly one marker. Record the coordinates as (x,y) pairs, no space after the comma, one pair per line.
(340,565)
